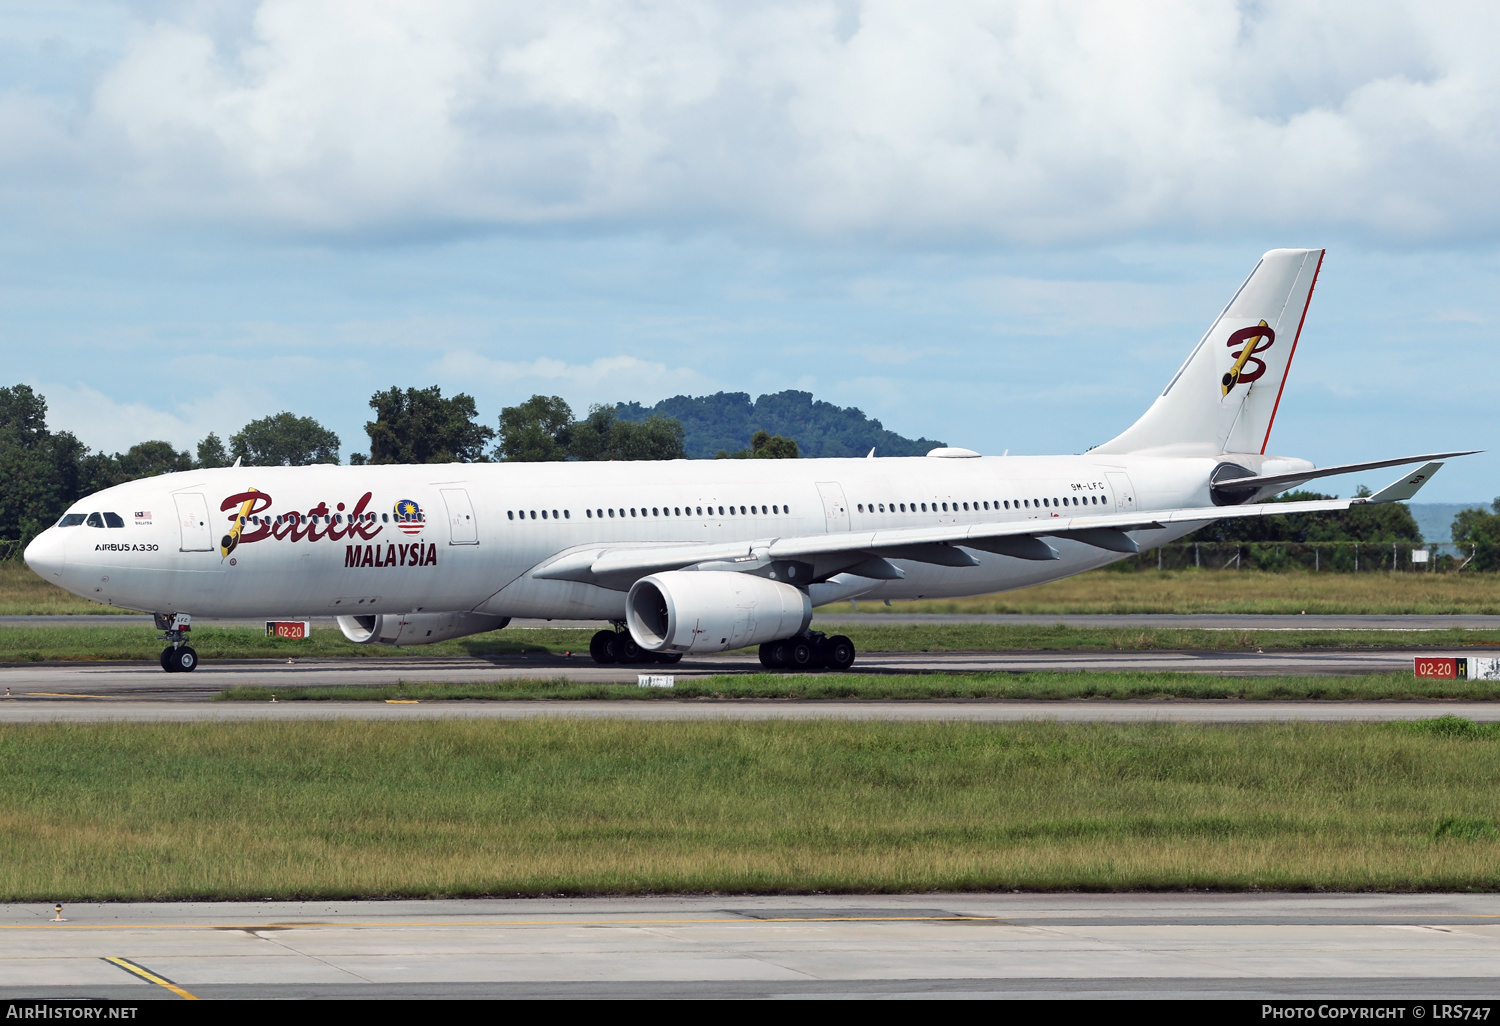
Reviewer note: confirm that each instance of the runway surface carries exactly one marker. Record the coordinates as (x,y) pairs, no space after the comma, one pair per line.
(1357,946)
(666,711)
(145,680)
(1213,621)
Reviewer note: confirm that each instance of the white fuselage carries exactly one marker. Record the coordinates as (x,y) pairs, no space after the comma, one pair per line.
(481,528)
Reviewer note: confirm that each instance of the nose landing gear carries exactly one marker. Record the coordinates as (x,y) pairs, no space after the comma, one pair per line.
(178,656)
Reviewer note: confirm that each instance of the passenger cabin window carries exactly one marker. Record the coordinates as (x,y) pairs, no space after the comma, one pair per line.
(71,519)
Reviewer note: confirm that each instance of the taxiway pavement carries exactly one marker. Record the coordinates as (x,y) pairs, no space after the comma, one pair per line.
(145,680)
(1265,946)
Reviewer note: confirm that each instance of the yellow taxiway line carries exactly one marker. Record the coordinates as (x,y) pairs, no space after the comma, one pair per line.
(150,977)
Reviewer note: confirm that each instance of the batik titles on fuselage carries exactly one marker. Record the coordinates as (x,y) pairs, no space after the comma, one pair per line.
(318,523)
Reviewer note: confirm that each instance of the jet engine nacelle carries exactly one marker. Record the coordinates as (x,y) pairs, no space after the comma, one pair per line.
(713,610)
(416,628)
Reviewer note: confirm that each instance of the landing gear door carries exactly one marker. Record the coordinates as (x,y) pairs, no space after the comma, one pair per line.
(1124,492)
(192,518)
(835,509)
(462,528)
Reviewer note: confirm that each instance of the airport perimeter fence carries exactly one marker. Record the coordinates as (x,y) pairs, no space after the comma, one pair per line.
(1325,557)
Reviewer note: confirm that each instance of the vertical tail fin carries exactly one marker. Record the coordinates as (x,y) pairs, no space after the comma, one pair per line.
(1225,397)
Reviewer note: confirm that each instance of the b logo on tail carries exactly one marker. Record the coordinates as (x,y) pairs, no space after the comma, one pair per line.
(1252,340)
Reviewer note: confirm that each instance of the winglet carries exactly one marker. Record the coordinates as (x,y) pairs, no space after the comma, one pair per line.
(1398,491)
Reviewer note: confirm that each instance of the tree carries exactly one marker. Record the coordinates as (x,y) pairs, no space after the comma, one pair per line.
(715,422)
(604,436)
(1480,531)
(211,452)
(100,470)
(763,446)
(148,459)
(542,429)
(535,431)
(39,469)
(284,440)
(420,426)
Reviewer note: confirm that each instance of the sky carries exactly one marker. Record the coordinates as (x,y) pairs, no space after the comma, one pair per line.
(1003,225)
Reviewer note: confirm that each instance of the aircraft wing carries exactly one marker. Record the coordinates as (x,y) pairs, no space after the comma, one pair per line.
(619,566)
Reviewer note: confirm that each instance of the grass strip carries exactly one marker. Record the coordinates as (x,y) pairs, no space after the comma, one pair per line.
(1226,591)
(935,686)
(456,808)
(107,642)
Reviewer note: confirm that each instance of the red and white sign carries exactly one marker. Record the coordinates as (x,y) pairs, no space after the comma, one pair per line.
(1440,667)
(294,630)
(1458,667)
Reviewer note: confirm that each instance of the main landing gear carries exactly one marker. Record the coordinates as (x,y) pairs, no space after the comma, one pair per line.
(617,646)
(810,651)
(178,656)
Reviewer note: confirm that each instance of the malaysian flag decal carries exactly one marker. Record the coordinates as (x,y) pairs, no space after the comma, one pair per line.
(409,517)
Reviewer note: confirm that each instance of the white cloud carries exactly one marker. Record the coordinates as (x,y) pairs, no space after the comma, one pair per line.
(604,380)
(1028,121)
(103,423)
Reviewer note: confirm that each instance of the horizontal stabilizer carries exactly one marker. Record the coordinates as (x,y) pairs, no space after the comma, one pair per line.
(1280,482)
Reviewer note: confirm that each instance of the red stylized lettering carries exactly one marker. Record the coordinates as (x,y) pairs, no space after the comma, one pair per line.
(368,560)
(366,529)
(1254,366)
(259,501)
(351,555)
(295,526)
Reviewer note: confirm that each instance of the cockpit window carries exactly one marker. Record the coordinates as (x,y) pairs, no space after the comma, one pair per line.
(70,520)
(94,520)
(113,520)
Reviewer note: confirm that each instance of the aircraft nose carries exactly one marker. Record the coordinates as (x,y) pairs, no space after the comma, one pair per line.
(45,555)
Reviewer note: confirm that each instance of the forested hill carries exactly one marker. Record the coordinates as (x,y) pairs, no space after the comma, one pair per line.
(726,420)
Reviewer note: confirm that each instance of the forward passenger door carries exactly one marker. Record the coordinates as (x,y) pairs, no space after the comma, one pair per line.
(192,518)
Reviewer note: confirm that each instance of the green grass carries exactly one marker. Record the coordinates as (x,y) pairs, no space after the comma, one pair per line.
(108,642)
(1226,591)
(346,809)
(934,686)
(23,593)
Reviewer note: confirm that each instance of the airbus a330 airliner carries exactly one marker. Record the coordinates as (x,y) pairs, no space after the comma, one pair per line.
(689,557)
